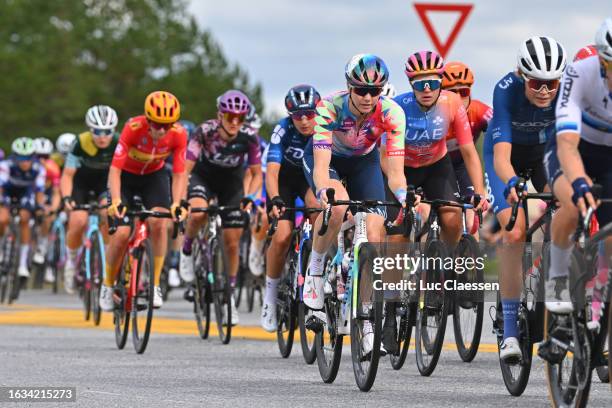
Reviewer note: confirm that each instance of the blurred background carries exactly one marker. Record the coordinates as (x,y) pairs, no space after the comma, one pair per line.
(59,57)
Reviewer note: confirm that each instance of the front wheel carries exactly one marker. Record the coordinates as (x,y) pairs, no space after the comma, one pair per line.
(405,321)
(286,311)
(221,290)
(202,298)
(142,304)
(121,313)
(96,262)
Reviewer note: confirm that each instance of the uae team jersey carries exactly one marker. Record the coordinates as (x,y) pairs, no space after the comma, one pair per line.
(138,153)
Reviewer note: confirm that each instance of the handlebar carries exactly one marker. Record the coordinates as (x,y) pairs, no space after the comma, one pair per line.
(143,215)
(274,220)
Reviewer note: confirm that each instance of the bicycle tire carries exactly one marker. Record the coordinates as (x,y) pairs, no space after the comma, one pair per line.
(609,343)
(516,376)
(286,304)
(85,289)
(14,280)
(54,260)
(469,304)
(404,333)
(309,351)
(201,298)
(221,290)
(430,344)
(144,290)
(97,274)
(329,365)
(7,259)
(121,314)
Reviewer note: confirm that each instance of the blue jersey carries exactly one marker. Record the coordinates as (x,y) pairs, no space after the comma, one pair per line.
(287,144)
(515,120)
(13,177)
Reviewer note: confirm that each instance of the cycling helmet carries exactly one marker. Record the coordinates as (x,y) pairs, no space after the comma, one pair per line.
(457,73)
(585,52)
(365,70)
(43,146)
(541,58)
(603,40)
(301,97)
(233,101)
(64,142)
(162,107)
(101,117)
(423,63)
(23,146)
(389,90)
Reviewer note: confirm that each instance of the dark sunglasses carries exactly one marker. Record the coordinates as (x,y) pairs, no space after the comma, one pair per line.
(101,132)
(310,114)
(463,92)
(160,126)
(432,84)
(229,116)
(364,90)
(536,85)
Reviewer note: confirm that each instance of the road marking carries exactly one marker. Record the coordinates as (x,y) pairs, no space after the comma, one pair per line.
(28,315)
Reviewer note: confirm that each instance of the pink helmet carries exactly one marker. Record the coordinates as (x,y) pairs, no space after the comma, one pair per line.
(233,101)
(423,63)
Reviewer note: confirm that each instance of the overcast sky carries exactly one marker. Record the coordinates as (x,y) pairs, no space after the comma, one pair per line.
(285,42)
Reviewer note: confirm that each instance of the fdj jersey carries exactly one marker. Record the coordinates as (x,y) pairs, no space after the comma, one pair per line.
(426,130)
(287,144)
(211,151)
(336,127)
(86,154)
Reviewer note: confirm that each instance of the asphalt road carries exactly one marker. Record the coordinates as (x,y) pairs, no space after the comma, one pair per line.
(45,342)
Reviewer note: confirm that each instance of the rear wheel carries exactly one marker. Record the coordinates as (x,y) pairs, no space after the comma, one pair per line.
(328,343)
(54,259)
(405,320)
(142,304)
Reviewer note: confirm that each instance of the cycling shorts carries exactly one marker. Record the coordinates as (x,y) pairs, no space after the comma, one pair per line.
(291,185)
(24,195)
(464,182)
(86,181)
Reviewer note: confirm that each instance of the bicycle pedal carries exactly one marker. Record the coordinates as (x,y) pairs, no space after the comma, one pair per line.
(551,352)
(189,295)
(313,323)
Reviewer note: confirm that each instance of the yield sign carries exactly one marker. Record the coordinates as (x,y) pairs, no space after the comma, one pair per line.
(463,9)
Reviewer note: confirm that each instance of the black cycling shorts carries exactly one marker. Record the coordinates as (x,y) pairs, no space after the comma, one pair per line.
(227,187)
(86,181)
(464,182)
(291,185)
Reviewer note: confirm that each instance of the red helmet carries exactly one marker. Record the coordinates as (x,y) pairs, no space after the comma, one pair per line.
(585,52)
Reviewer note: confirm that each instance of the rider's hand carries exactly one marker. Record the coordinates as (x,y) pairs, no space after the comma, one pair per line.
(582,195)
(322,196)
(117,209)
(278,206)
(510,192)
(68,203)
(483,203)
(178,212)
(247,203)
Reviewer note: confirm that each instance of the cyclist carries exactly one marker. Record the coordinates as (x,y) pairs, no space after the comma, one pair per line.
(523,118)
(347,126)
(85,170)
(63,144)
(585,52)
(137,168)
(389,90)
(285,182)
(22,178)
(43,148)
(215,159)
(578,155)
(258,237)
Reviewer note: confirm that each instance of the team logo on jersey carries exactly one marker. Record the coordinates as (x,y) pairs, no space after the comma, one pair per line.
(507,82)
(438,120)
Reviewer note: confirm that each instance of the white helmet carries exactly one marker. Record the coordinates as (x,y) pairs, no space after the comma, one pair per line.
(541,58)
(603,40)
(43,146)
(64,142)
(101,117)
(389,90)
(23,146)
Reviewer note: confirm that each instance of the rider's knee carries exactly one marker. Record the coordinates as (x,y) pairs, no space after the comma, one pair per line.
(515,236)
(197,219)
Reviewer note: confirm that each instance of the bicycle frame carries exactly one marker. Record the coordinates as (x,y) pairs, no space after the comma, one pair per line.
(58,230)
(93,227)
(138,236)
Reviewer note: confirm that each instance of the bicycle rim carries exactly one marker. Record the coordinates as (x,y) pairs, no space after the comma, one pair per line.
(328,343)
(516,376)
(201,299)
(404,333)
(307,339)
(286,313)
(221,291)
(142,304)
(121,315)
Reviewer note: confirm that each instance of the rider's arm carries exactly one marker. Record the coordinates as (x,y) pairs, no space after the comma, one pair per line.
(463,134)
(39,186)
(382,150)
(114,183)
(322,143)
(67,180)
(395,126)
(274,159)
(501,128)
(272,178)
(179,172)
(256,180)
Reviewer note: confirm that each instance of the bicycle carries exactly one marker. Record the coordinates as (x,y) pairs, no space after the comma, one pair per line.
(574,345)
(212,283)
(515,373)
(289,289)
(92,262)
(56,254)
(133,293)
(349,295)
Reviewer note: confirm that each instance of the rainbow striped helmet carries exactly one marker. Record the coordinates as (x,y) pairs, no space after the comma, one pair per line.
(366,70)
(423,63)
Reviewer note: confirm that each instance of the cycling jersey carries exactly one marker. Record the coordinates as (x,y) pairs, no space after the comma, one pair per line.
(287,144)
(213,153)
(479,114)
(22,184)
(335,127)
(515,120)
(426,130)
(584,105)
(52,173)
(138,153)
(85,154)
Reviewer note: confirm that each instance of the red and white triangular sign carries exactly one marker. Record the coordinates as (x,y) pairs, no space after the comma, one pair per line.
(463,10)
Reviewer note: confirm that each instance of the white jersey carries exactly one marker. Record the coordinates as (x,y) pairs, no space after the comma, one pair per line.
(585,103)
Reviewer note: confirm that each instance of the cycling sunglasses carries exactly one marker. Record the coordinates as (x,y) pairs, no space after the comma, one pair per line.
(101,132)
(463,92)
(536,85)
(421,84)
(374,91)
(310,114)
(160,126)
(230,117)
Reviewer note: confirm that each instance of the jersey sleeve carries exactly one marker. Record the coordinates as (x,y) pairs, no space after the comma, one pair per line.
(121,151)
(5,173)
(72,161)
(567,111)
(324,122)
(275,148)
(53,173)
(254,153)
(501,122)
(395,127)
(41,177)
(179,152)
(194,148)
(461,124)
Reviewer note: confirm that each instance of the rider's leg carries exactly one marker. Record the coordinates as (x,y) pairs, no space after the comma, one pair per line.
(77,222)
(114,254)
(194,223)
(25,242)
(231,239)
(4,219)
(158,228)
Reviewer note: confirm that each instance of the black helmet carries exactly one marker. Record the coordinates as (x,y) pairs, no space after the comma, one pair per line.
(302,97)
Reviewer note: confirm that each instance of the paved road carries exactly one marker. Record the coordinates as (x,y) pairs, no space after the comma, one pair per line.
(44,342)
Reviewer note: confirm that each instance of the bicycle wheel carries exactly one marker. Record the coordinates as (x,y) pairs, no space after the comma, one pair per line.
(54,259)
(405,321)
(368,319)
(121,313)
(96,257)
(221,290)
(307,340)
(432,310)
(516,375)
(609,342)
(286,312)
(469,305)
(14,280)
(8,249)
(142,304)
(85,289)
(243,268)
(328,343)
(201,298)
